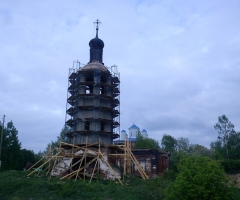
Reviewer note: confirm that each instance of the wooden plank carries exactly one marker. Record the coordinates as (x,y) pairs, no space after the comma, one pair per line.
(140,169)
(42,165)
(110,167)
(73,173)
(84,157)
(39,161)
(94,169)
(70,167)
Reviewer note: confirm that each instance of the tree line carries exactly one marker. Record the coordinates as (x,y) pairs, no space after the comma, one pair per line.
(225,149)
(196,172)
(13,156)
(173,145)
(226,146)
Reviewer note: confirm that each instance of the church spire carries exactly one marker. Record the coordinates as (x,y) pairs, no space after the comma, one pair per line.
(96,46)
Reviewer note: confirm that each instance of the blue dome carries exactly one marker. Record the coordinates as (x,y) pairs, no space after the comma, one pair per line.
(133,127)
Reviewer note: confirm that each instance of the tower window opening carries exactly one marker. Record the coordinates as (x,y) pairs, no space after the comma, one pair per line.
(87,126)
(102,126)
(75,127)
(103,79)
(89,89)
(102,90)
(89,79)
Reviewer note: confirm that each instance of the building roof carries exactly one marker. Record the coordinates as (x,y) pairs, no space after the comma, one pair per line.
(132,139)
(123,131)
(144,130)
(122,141)
(133,127)
(95,65)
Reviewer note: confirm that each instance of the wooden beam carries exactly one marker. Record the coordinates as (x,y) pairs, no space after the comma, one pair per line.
(72,174)
(42,165)
(110,167)
(39,161)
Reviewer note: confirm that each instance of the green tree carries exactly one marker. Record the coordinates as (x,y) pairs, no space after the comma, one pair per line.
(27,156)
(200,178)
(169,143)
(183,145)
(234,145)
(11,148)
(218,150)
(227,145)
(225,128)
(142,142)
(199,150)
(62,137)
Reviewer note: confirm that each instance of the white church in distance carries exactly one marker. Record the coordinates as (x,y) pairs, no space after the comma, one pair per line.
(132,133)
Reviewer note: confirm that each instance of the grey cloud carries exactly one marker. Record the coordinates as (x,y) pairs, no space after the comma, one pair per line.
(179,64)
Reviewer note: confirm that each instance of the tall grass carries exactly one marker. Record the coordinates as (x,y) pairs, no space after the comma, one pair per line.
(16,185)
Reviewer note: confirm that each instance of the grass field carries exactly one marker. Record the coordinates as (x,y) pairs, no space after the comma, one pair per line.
(15,185)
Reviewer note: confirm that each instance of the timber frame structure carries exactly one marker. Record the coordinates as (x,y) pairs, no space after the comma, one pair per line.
(88,161)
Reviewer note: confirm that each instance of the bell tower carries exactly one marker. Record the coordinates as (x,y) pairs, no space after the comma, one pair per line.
(93,106)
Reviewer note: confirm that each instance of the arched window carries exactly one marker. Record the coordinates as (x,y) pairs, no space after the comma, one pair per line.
(103,79)
(87,126)
(102,90)
(102,126)
(89,89)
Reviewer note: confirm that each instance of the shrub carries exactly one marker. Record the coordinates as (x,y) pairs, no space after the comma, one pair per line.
(200,178)
(231,166)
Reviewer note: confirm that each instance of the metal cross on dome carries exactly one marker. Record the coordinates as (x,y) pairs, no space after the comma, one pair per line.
(97,22)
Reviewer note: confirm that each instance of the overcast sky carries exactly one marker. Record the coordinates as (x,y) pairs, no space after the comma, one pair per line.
(179,63)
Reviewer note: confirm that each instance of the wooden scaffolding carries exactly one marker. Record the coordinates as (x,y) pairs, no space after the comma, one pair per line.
(70,161)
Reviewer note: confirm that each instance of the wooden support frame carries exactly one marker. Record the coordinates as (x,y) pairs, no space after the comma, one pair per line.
(37,169)
(110,167)
(39,161)
(84,156)
(128,159)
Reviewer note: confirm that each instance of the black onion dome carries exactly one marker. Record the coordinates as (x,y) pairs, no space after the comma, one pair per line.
(96,43)
(96,49)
